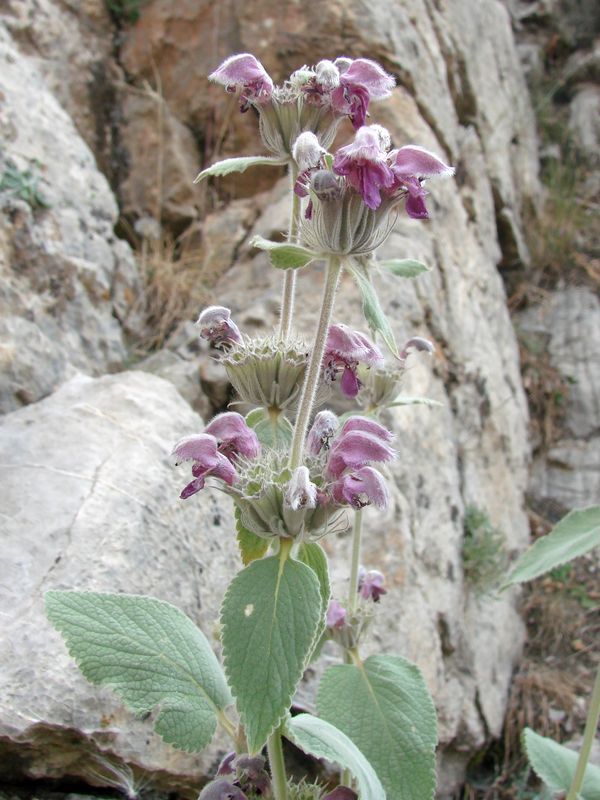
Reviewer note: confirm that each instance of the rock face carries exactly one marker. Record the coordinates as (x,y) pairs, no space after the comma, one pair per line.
(65,280)
(90,501)
(569,326)
(67,285)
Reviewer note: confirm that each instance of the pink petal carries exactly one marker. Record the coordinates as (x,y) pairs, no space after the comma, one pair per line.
(201,447)
(355,450)
(224,470)
(364,487)
(414,161)
(324,426)
(239,70)
(192,488)
(367,425)
(364,72)
(336,615)
(233,435)
(352,345)
(350,384)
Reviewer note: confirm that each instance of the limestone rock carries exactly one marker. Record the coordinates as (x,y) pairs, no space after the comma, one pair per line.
(90,501)
(585,119)
(64,278)
(569,321)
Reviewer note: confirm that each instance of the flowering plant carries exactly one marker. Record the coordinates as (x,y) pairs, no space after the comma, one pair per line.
(295,475)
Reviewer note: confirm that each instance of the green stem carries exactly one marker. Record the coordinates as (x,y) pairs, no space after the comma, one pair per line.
(277,764)
(355,563)
(588,739)
(311,382)
(289,279)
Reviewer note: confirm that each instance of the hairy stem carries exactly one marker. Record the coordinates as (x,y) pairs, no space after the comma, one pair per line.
(277,765)
(311,382)
(289,280)
(588,738)
(355,563)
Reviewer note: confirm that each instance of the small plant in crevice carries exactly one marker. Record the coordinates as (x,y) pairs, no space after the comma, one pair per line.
(484,554)
(125,10)
(295,473)
(23,184)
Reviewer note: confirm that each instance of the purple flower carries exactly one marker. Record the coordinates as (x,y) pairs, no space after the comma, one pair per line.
(202,450)
(358,489)
(324,426)
(361,80)
(336,615)
(221,789)
(411,165)
(341,793)
(234,437)
(364,164)
(355,450)
(370,584)
(226,766)
(366,425)
(344,350)
(216,325)
(300,492)
(246,72)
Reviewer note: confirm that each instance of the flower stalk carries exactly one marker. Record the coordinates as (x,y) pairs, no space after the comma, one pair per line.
(588,739)
(355,563)
(277,765)
(309,390)
(289,280)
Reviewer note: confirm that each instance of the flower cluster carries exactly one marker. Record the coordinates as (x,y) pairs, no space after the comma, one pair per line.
(311,99)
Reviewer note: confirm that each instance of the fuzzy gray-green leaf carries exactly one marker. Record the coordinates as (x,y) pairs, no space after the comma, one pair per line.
(270,617)
(556,765)
(322,739)
(284,255)
(573,536)
(385,708)
(229,165)
(151,654)
(404,267)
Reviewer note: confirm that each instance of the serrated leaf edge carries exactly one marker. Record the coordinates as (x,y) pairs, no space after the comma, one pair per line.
(304,665)
(136,711)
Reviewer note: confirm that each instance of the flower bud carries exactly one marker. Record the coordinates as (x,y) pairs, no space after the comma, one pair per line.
(221,789)
(322,430)
(337,616)
(216,325)
(325,185)
(301,492)
(341,793)
(328,75)
(307,151)
(370,584)
(342,63)
(417,343)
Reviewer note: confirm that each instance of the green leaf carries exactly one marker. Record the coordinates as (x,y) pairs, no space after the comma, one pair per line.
(404,267)
(284,255)
(385,708)
(574,535)
(406,400)
(229,165)
(273,431)
(252,547)
(313,555)
(320,738)
(270,617)
(555,765)
(151,654)
(376,319)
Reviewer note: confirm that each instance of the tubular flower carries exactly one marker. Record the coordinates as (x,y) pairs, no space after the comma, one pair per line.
(361,488)
(202,450)
(366,425)
(361,80)
(344,350)
(370,584)
(301,492)
(217,327)
(336,615)
(322,430)
(363,162)
(411,165)
(244,71)
(233,435)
